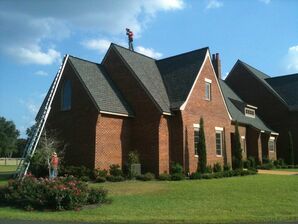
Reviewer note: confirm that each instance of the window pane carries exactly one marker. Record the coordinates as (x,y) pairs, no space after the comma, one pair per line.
(66,96)
(218,141)
(196,140)
(271,145)
(207,90)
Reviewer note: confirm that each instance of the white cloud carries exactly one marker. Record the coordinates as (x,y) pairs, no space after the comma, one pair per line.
(35,55)
(149,52)
(41,73)
(214,4)
(291,59)
(29,29)
(265,1)
(101,45)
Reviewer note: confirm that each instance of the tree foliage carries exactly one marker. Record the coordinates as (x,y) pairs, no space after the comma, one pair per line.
(202,148)
(8,137)
(291,149)
(48,144)
(237,163)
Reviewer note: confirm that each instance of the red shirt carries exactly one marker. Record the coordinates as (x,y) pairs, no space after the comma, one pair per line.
(130,35)
(54,161)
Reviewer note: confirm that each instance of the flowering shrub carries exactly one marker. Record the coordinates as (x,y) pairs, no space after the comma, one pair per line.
(63,193)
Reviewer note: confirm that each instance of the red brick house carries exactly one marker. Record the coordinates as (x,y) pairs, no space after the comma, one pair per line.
(276,99)
(133,102)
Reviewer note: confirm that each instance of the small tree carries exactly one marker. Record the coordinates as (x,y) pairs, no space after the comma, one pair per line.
(40,162)
(202,148)
(291,149)
(237,149)
(8,137)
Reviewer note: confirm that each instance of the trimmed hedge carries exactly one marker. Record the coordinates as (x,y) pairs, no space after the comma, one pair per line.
(230,173)
(62,193)
(146,177)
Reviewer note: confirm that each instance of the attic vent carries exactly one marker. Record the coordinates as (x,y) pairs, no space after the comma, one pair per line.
(249,112)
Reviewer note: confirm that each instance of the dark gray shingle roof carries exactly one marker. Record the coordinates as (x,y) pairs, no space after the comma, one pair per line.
(179,73)
(282,88)
(148,75)
(286,86)
(100,87)
(236,108)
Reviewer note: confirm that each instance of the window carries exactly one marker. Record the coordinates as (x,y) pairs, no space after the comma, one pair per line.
(207,91)
(250,112)
(218,140)
(66,96)
(196,140)
(243,144)
(271,144)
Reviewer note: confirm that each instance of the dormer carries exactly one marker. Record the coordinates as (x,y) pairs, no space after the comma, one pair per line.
(250,111)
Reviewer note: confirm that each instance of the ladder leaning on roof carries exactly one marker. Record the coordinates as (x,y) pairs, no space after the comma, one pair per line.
(41,120)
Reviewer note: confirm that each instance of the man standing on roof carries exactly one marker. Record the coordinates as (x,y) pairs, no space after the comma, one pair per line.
(129,33)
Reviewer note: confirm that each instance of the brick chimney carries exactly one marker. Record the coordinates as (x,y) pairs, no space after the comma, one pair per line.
(216,65)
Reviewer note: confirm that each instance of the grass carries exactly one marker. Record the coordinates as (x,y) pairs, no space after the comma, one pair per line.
(7,169)
(239,199)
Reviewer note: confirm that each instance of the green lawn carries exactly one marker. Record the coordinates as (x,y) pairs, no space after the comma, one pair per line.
(238,199)
(7,169)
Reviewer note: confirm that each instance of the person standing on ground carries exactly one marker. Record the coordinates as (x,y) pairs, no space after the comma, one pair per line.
(54,166)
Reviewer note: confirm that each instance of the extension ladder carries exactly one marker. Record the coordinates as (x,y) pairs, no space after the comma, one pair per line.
(41,120)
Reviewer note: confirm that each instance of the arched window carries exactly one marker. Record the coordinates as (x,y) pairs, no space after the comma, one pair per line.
(66,96)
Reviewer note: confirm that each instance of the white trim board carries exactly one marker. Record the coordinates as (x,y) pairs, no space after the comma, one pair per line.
(207,56)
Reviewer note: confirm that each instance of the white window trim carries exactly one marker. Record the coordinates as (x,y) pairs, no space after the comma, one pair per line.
(208,80)
(209,93)
(244,146)
(221,143)
(207,57)
(196,125)
(249,115)
(219,129)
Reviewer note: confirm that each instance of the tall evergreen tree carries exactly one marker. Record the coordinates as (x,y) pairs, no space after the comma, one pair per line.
(291,149)
(8,137)
(202,148)
(237,149)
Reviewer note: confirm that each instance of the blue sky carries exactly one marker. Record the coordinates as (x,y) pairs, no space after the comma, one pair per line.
(36,34)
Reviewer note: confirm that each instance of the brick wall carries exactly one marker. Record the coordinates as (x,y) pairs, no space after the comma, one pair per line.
(76,127)
(214,114)
(112,140)
(147,121)
(270,108)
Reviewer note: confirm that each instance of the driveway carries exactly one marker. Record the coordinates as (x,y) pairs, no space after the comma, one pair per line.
(277,172)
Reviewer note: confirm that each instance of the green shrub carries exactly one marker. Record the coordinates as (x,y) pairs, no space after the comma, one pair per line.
(177,176)
(164,176)
(146,177)
(100,173)
(115,170)
(253,163)
(227,167)
(195,176)
(96,196)
(176,168)
(62,193)
(115,178)
(85,178)
(217,167)
(76,171)
(247,164)
(208,169)
(266,166)
(100,179)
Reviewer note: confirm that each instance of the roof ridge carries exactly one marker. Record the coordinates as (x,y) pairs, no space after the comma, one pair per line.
(283,76)
(249,66)
(178,55)
(113,44)
(84,60)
